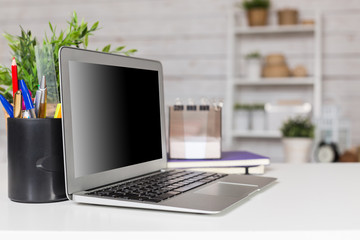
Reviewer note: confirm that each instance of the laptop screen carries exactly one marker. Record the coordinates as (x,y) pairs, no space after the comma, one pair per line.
(115,116)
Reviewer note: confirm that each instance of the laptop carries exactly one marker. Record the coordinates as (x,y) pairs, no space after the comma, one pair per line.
(114,141)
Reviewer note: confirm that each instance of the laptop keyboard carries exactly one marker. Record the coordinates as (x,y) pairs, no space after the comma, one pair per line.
(158,187)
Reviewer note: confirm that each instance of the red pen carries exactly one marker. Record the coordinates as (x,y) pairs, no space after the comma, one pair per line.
(14,76)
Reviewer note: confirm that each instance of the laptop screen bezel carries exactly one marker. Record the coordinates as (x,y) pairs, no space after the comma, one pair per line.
(73,184)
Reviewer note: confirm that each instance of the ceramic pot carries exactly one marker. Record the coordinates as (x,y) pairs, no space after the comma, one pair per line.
(242,120)
(258,120)
(297,150)
(253,67)
(257,17)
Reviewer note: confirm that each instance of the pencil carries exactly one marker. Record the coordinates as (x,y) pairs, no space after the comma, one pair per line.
(14,76)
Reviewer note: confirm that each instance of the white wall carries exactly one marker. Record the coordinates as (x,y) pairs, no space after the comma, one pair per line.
(189,37)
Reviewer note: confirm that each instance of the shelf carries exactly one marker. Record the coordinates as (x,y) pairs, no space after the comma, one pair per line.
(239,87)
(275,81)
(275,29)
(257,134)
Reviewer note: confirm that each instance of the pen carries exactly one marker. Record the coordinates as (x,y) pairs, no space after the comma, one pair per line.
(17,104)
(9,109)
(43,99)
(23,103)
(27,99)
(14,76)
(42,110)
(37,103)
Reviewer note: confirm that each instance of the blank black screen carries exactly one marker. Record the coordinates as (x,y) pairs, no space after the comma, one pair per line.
(115,117)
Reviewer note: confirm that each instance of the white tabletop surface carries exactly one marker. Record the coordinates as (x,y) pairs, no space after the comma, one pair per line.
(306,197)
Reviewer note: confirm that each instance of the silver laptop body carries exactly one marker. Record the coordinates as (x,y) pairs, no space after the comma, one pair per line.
(114,132)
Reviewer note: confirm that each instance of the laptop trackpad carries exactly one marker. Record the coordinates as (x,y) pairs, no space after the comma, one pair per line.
(228,189)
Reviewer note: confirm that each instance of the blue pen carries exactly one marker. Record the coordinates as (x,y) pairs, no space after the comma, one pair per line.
(9,109)
(27,98)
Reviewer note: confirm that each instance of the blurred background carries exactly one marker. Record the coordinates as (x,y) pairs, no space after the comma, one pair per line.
(194,40)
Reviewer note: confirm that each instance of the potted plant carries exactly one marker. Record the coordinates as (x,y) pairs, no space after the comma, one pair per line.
(298,134)
(258,117)
(242,117)
(256,11)
(253,66)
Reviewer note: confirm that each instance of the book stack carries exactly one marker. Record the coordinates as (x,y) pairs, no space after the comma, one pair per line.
(232,162)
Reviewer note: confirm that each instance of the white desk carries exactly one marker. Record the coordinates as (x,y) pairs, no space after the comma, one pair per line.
(307,197)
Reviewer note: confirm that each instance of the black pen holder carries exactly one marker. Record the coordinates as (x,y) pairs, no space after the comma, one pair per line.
(35,160)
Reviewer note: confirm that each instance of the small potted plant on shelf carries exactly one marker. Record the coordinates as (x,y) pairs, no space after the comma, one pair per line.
(258,117)
(256,11)
(298,134)
(253,66)
(242,117)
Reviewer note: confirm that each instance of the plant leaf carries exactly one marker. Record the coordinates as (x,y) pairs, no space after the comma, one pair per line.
(118,49)
(106,48)
(51,28)
(86,41)
(94,26)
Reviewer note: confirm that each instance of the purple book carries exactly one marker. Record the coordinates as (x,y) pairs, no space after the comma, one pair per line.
(228,159)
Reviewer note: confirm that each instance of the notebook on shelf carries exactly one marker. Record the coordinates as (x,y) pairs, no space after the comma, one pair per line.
(228,159)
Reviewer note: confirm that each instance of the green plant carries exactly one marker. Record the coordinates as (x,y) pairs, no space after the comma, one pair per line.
(250,4)
(298,127)
(23,49)
(239,106)
(258,106)
(253,55)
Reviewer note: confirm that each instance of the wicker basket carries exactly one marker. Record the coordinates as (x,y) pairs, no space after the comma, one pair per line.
(288,17)
(275,66)
(299,71)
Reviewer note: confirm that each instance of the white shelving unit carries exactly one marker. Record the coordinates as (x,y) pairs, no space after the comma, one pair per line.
(256,134)
(235,83)
(275,81)
(274,29)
